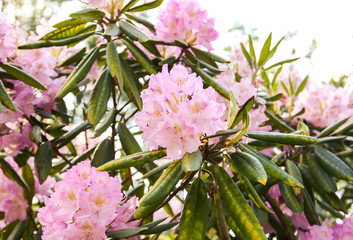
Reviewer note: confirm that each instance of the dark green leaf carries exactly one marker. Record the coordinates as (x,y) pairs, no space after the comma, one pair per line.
(146,6)
(42,161)
(89,14)
(133,32)
(22,76)
(12,174)
(103,153)
(107,121)
(192,161)
(5,98)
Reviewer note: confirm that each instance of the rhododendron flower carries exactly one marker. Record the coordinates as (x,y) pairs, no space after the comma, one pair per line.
(84,203)
(108,6)
(7,42)
(323,232)
(185,20)
(324,105)
(177,111)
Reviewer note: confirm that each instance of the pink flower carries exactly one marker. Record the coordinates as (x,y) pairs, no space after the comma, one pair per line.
(84,203)
(15,208)
(323,232)
(177,111)
(7,42)
(185,20)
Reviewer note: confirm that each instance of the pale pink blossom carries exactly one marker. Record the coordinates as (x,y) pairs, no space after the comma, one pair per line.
(177,111)
(7,42)
(185,20)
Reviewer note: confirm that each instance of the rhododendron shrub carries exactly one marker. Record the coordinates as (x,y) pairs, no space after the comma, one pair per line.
(116,127)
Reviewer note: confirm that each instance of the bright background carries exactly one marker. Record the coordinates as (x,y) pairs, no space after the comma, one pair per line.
(328,23)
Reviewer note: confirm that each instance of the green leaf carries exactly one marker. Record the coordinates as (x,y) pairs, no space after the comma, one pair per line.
(89,14)
(237,207)
(67,137)
(78,74)
(192,161)
(146,6)
(290,199)
(60,42)
(207,56)
(126,233)
(160,190)
(283,138)
(129,5)
(5,98)
(112,30)
(221,222)
(12,174)
(114,66)
(103,153)
(291,168)
(42,161)
(131,84)
(64,32)
(282,62)
(160,228)
(345,129)
(133,32)
(253,195)
(333,164)
(301,86)
(22,76)
(127,140)
(70,22)
(193,221)
(133,160)
(309,209)
(278,122)
(28,177)
(107,121)
(264,55)
(233,110)
(250,166)
(35,134)
(139,55)
(142,20)
(272,169)
(76,57)
(247,55)
(321,177)
(18,230)
(251,46)
(211,82)
(330,129)
(100,95)
(156,170)
(243,110)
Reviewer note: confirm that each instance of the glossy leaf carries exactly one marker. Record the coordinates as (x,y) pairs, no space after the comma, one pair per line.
(192,161)
(127,140)
(106,122)
(333,164)
(133,160)
(64,32)
(78,74)
(99,98)
(59,42)
(42,161)
(233,110)
(272,169)
(278,122)
(193,221)
(70,22)
(160,190)
(283,138)
(204,54)
(140,56)
(244,109)
(129,5)
(237,207)
(333,127)
(12,174)
(133,32)
(89,14)
(301,86)
(290,199)
(264,55)
(5,98)
(321,177)
(114,65)
(103,153)
(67,137)
(126,233)
(22,76)
(250,166)
(282,62)
(146,6)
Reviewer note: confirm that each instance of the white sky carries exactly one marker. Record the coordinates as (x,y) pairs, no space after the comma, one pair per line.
(330,23)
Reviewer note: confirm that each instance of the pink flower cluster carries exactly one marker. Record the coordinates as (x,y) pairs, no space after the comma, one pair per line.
(185,20)
(177,111)
(7,42)
(84,203)
(12,201)
(325,104)
(337,231)
(240,63)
